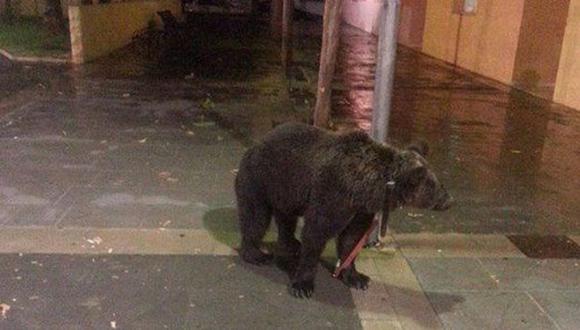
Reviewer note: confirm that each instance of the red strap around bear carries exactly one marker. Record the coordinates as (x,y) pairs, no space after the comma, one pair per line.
(342,265)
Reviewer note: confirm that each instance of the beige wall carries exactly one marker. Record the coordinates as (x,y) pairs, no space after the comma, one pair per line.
(97,30)
(484,38)
(489,39)
(440,36)
(568,80)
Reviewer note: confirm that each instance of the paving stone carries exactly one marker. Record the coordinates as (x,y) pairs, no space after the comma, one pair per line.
(447,274)
(170,158)
(412,307)
(380,325)
(533,274)
(92,241)
(374,303)
(51,155)
(562,306)
(151,292)
(29,215)
(367,266)
(456,245)
(214,187)
(96,207)
(490,310)
(546,246)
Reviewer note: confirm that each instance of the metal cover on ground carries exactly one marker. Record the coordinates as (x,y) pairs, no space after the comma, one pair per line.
(544,247)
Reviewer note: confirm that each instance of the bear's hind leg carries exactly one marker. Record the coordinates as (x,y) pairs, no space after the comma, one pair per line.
(347,240)
(254,219)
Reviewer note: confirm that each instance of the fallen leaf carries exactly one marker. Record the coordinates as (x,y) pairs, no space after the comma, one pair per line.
(207,104)
(4,308)
(204,124)
(95,241)
(164,174)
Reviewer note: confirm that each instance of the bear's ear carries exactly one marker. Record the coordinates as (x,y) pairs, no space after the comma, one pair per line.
(420,147)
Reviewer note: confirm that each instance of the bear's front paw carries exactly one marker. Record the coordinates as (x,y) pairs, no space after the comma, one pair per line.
(302,289)
(354,279)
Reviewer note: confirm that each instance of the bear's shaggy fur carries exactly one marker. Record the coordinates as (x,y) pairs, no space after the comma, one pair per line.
(337,182)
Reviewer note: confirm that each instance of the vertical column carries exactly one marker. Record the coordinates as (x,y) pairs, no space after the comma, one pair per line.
(76,37)
(276,17)
(330,38)
(287,13)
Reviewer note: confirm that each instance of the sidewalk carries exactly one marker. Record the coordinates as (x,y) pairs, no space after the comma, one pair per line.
(117,208)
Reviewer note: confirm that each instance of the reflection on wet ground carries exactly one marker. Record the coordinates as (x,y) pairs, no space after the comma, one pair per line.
(510,159)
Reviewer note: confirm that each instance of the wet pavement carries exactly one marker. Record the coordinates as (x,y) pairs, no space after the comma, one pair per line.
(160,292)
(117,208)
(509,159)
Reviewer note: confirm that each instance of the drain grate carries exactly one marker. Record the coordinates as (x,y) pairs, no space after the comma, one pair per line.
(545,247)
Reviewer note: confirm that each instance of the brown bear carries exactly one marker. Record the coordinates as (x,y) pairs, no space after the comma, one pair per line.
(337,182)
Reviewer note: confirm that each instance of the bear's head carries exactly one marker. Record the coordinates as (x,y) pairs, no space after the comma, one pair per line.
(416,184)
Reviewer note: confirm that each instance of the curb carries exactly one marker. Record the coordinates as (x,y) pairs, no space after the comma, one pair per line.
(33,59)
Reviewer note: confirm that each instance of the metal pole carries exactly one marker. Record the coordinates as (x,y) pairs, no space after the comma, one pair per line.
(384,76)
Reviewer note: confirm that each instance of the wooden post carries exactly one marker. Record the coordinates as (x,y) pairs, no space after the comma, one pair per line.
(287,11)
(330,38)
(276,17)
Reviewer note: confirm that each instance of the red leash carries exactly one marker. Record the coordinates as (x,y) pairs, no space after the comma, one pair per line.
(342,265)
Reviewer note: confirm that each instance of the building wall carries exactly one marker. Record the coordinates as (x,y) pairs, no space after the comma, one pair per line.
(567,89)
(97,30)
(488,40)
(365,16)
(491,34)
(532,44)
(441,26)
